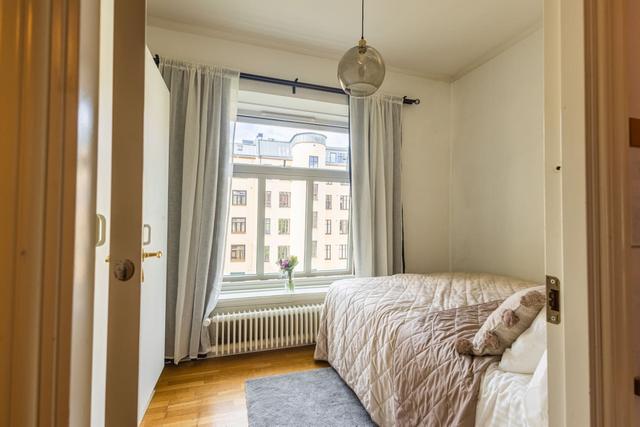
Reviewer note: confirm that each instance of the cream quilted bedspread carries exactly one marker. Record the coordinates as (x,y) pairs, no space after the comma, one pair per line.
(361,317)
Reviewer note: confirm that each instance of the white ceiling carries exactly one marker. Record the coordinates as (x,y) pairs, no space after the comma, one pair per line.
(429,37)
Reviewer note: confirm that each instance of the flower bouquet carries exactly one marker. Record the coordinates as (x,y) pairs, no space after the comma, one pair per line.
(286,268)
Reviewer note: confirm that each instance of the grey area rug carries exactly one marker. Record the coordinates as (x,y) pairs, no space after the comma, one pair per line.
(311,398)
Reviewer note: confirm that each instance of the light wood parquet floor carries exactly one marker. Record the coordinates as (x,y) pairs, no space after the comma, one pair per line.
(210,392)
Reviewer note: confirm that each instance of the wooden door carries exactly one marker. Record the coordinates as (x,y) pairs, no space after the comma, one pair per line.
(125,259)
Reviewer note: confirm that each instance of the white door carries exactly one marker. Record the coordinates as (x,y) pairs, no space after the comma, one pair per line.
(138,236)
(154,233)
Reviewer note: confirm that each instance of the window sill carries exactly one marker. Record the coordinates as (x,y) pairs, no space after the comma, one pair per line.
(305,293)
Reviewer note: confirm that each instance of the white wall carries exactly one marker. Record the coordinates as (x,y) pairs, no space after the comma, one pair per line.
(497,184)
(426,142)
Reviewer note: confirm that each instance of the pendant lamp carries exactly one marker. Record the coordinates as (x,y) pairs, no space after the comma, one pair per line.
(361,69)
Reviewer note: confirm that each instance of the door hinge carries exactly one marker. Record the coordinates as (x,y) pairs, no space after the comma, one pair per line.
(553,300)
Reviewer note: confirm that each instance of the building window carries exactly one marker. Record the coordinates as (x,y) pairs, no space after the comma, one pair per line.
(343,252)
(344,226)
(313,161)
(267,226)
(336,157)
(283,252)
(238,225)
(327,252)
(315,191)
(237,253)
(344,203)
(328,202)
(285,199)
(315,220)
(314,248)
(267,199)
(239,198)
(266,253)
(327,226)
(283,226)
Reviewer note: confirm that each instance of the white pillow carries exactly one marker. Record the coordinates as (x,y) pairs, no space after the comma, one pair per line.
(536,405)
(526,350)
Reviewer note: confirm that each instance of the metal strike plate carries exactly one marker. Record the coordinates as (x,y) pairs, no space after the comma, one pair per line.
(123,270)
(553,300)
(636,386)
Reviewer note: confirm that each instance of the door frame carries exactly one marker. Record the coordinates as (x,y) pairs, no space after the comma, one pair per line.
(587,220)
(48,119)
(565,210)
(609,224)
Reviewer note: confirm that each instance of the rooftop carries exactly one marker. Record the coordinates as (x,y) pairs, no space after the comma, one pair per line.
(274,149)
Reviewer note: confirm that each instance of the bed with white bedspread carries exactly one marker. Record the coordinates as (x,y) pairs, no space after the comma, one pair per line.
(362,320)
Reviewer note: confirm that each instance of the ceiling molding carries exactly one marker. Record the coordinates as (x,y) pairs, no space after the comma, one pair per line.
(496,51)
(255,39)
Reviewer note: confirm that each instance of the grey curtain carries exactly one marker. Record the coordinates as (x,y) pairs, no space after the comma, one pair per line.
(203,107)
(376,140)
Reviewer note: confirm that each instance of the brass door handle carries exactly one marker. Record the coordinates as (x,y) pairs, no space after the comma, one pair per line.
(157,254)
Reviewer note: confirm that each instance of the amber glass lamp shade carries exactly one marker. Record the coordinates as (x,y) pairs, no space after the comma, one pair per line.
(361,70)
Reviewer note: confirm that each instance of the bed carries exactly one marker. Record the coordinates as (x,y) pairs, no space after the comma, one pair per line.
(389,338)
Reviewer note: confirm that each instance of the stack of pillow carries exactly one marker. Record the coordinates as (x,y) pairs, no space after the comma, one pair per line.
(528,355)
(517,331)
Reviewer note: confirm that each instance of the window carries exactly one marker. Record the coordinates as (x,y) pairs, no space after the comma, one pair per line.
(343,252)
(327,252)
(313,162)
(239,198)
(285,199)
(283,226)
(287,165)
(283,252)
(344,226)
(237,253)
(327,226)
(327,202)
(337,157)
(238,225)
(344,203)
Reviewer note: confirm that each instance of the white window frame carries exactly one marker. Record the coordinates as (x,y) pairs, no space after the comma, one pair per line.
(262,280)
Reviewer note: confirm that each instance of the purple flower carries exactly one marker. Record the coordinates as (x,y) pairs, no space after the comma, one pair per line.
(287,264)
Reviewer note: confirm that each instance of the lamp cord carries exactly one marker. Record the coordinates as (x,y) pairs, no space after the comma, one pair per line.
(362,27)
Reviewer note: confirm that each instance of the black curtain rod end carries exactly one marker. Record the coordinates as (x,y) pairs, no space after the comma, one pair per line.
(410,101)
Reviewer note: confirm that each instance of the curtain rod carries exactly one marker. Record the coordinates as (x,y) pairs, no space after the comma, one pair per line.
(294,84)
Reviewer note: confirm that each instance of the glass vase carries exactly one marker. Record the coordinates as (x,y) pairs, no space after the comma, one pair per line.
(288,284)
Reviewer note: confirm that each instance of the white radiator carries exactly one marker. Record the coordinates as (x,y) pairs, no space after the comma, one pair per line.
(264,329)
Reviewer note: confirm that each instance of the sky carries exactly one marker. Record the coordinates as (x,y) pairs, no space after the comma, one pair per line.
(284,133)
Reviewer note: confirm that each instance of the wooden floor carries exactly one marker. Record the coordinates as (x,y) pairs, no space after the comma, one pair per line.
(211,392)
